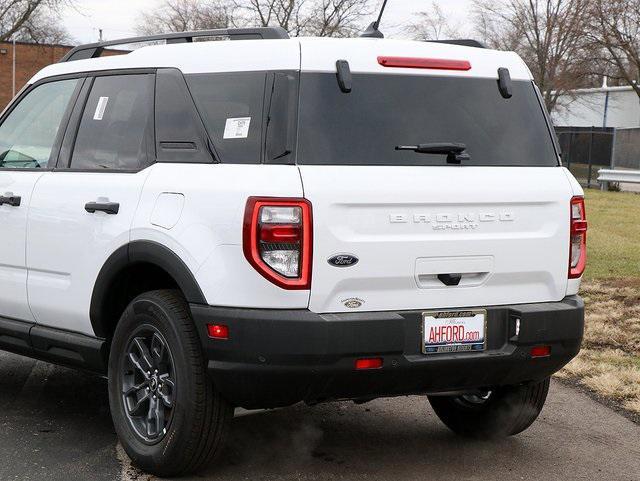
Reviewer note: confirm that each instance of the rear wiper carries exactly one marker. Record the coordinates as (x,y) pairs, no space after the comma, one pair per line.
(455,152)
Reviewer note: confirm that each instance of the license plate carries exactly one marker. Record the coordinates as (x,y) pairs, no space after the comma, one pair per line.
(453,331)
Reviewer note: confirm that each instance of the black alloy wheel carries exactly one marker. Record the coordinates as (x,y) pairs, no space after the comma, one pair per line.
(148,384)
(168,415)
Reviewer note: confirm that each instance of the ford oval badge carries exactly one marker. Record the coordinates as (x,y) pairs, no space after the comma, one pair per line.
(343,260)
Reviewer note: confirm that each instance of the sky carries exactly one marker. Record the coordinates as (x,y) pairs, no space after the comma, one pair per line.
(118,18)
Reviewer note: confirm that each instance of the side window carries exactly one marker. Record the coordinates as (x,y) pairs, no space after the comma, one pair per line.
(180,133)
(231,106)
(29,132)
(116,124)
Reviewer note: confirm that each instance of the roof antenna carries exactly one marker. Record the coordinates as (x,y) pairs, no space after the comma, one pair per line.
(372,30)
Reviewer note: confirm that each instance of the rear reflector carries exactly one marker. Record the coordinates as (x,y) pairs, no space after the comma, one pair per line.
(280,233)
(540,351)
(369,363)
(426,63)
(218,331)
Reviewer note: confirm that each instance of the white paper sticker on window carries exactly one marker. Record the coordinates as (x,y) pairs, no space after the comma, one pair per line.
(101,107)
(237,128)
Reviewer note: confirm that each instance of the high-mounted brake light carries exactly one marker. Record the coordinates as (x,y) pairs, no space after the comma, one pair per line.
(426,63)
(578,238)
(277,240)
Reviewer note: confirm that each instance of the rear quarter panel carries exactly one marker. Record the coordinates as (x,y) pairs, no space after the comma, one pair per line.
(207,233)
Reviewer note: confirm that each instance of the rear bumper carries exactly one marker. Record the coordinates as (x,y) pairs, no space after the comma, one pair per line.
(279,357)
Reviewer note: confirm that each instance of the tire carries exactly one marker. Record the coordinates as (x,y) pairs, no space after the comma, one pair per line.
(168,416)
(505,411)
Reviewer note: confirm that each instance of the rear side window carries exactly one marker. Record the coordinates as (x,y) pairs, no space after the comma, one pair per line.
(29,132)
(231,105)
(117,124)
(384,111)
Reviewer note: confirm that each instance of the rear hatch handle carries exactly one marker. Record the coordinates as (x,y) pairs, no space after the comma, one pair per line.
(450,279)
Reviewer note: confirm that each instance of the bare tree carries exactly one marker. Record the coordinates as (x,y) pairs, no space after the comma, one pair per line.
(615,31)
(336,18)
(548,34)
(185,15)
(288,14)
(32,21)
(494,31)
(433,24)
(324,18)
(44,27)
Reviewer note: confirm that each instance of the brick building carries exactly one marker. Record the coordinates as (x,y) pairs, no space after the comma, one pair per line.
(29,59)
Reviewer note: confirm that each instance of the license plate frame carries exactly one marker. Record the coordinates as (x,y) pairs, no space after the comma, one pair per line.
(454,317)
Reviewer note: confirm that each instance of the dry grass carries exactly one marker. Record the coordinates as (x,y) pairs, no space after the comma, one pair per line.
(609,363)
(614,230)
(632,405)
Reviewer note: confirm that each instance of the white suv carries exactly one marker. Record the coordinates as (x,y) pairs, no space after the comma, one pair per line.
(255,223)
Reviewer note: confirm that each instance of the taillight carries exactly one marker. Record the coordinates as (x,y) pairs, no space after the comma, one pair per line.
(277,240)
(426,63)
(578,242)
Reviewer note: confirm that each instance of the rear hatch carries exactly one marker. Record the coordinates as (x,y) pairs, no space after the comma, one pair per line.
(416,231)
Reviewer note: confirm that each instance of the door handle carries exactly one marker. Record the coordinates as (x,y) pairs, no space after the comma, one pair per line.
(10,199)
(107,207)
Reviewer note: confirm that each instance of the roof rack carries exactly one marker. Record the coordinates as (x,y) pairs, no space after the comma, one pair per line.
(94,50)
(465,42)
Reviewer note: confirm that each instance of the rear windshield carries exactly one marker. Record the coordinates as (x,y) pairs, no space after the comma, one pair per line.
(384,111)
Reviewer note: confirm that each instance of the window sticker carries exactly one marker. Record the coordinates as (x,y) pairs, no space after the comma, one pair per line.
(100,108)
(237,128)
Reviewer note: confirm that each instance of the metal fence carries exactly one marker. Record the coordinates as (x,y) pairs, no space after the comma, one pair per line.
(585,150)
(626,149)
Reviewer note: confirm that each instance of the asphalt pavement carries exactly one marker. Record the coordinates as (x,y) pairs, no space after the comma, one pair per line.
(55,425)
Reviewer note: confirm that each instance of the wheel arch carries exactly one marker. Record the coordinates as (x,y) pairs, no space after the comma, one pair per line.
(132,257)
